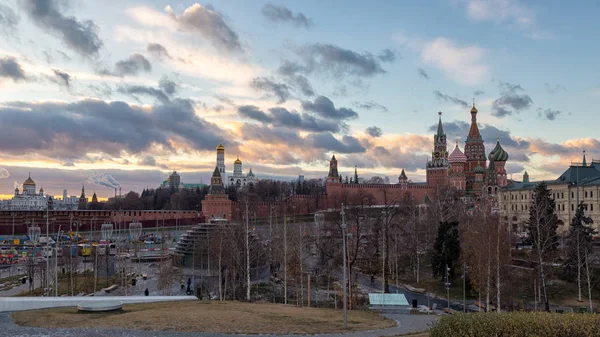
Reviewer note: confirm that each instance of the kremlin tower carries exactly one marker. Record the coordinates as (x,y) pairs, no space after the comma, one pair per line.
(221,158)
(475,152)
(456,173)
(437,167)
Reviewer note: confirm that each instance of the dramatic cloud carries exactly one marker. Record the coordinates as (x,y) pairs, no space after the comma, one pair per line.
(134,90)
(510,100)
(8,19)
(158,50)
(339,62)
(461,64)
(10,68)
(168,86)
(446,98)
(132,65)
(291,119)
(387,55)
(374,131)
(279,90)
(548,114)
(324,107)
(71,130)
(478,93)
(278,13)
(370,106)
(289,71)
(423,73)
(62,78)
(209,24)
(81,36)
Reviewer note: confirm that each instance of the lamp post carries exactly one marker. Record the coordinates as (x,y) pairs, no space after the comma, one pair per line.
(343,226)
(447,284)
(13,214)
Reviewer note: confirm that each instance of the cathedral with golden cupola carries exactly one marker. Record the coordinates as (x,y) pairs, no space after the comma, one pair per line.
(29,199)
(238,178)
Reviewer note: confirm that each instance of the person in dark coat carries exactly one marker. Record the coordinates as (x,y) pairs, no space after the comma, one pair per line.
(146,292)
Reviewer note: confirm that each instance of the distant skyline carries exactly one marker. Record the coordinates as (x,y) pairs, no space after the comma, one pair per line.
(138,89)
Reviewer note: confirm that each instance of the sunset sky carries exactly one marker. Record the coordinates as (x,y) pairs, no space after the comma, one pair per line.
(132,90)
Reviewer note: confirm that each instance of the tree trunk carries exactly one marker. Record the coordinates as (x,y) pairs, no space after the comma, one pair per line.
(588,274)
(578,267)
(498,268)
(247,255)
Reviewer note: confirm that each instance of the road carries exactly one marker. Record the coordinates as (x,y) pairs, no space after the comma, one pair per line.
(364,281)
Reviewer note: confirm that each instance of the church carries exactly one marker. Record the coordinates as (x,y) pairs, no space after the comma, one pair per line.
(30,200)
(238,179)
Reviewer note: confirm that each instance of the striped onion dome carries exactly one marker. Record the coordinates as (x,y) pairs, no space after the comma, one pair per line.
(498,153)
(457,156)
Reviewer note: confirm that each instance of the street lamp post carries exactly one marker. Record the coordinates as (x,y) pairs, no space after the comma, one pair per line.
(13,223)
(447,284)
(344,253)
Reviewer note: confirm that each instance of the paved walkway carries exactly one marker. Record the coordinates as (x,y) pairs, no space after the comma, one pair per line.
(407,324)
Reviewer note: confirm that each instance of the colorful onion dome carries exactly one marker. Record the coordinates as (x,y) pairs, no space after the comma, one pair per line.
(457,156)
(478,169)
(498,153)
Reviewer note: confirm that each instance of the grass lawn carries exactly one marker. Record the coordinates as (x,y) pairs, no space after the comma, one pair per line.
(218,317)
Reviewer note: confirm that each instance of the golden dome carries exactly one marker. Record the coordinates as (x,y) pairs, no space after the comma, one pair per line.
(29,182)
(221,147)
(238,161)
(473,109)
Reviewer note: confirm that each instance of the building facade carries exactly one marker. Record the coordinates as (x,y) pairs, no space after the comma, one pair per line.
(174,181)
(579,183)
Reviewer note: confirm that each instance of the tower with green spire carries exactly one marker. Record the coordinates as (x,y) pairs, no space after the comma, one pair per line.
(584,161)
(355,175)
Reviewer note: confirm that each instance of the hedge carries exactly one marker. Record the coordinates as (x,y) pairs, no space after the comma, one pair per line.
(519,324)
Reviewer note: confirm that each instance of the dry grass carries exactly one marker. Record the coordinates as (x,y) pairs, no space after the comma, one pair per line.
(218,317)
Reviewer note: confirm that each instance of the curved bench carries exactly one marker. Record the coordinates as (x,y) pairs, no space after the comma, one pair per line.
(100,306)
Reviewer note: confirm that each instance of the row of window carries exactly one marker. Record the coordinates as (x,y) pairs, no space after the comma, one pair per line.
(556,195)
(559,207)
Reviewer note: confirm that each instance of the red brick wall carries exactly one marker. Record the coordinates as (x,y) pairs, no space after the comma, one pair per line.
(65,219)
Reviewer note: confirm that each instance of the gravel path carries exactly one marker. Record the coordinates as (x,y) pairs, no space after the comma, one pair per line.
(407,324)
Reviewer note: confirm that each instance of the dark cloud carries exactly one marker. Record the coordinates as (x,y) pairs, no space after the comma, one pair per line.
(447,98)
(327,141)
(158,50)
(210,25)
(62,78)
(100,90)
(148,161)
(478,93)
(370,106)
(337,61)
(290,73)
(270,135)
(134,90)
(72,130)
(290,119)
(81,36)
(8,19)
(10,68)
(279,13)
(374,131)
(168,86)
(510,100)
(225,100)
(387,55)
(279,90)
(548,114)
(253,112)
(422,73)
(381,151)
(489,133)
(554,88)
(133,65)
(324,107)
